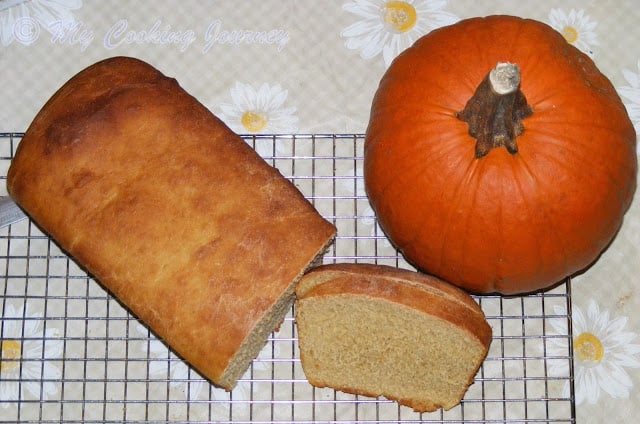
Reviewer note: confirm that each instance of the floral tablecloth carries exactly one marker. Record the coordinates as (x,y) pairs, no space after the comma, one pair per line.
(308,67)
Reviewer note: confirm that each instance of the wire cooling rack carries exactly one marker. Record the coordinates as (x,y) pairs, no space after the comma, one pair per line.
(72,353)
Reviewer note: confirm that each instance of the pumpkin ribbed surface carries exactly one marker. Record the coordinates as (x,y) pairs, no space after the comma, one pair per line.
(507,221)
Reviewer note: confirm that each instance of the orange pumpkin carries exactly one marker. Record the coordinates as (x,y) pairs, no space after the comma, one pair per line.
(505,181)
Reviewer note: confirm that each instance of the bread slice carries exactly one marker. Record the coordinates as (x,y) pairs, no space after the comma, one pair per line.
(170,210)
(375,330)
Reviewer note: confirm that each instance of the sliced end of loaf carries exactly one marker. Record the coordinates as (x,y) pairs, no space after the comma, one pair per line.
(257,339)
(359,337)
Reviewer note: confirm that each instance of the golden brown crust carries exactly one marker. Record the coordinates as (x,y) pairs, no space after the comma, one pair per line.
(412,289)
(416,405)
(166,207)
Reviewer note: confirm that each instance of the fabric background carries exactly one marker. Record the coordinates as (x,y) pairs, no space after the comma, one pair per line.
(305,74)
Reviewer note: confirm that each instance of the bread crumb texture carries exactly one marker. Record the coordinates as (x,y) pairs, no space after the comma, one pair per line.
(372,344)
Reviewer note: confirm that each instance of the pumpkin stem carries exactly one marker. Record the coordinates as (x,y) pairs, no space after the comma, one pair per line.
(495,112)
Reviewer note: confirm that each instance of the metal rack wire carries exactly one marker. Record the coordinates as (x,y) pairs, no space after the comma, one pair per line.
(71,352)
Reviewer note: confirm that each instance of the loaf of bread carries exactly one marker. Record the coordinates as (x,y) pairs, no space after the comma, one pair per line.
(170,210)
(380,331)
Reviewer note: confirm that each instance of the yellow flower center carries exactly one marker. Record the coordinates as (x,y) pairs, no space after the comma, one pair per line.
(254,121)
(11,353)
(588,348)
(570,34)
(399,16)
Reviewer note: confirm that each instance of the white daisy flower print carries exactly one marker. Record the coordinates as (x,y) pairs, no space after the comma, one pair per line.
(576,27)
(22,20)
(631,97)
(389,27)
(26,351)
(602,350)
(261,110)
(163,363)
